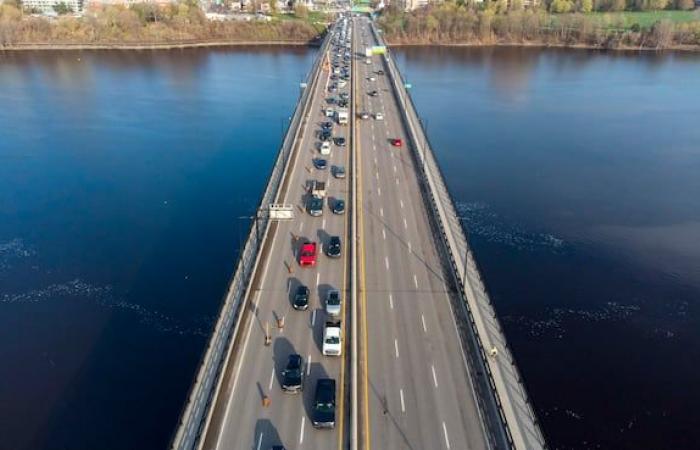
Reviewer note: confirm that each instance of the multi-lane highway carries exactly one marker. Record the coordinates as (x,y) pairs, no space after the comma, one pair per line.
(240,419)
(418,391)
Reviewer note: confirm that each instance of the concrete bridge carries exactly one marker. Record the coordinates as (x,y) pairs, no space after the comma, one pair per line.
(424,362)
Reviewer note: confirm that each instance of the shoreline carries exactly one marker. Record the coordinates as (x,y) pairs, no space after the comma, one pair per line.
(152,45)
(239,43)
(675,48)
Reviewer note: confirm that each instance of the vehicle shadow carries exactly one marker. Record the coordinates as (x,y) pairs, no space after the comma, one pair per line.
(282,348)
(266,435)
(316,371)
(323,238)
(295,241)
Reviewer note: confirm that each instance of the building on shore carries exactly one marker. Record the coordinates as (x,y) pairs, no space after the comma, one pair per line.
(51,6)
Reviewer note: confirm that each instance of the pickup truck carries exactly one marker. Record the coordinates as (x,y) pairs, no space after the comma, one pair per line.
(332,340)
(317,188)
(307,254)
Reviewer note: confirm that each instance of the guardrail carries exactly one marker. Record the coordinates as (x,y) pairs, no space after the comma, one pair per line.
(205,386)
(518,427)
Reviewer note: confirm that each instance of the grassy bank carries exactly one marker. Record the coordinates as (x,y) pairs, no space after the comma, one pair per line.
(146,25)
(460,24)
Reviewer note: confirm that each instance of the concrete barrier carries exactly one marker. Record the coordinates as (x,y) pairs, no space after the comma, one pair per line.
(205,387)
(507,409)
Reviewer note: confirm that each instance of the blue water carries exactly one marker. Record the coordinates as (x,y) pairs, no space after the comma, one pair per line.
(577,174)
(124,177)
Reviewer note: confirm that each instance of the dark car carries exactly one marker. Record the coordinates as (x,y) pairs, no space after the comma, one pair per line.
(325,135)
(343,103)
(320,163)
(338,207)
(323,415)
(338,171)
(314,206)
(293,375)
(330,100)
(301,298)
(340,141)
(373,93)
(380,72)
(333,248)
(327,125)
(344,95)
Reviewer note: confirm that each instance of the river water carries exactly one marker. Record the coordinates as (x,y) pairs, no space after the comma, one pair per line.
(126,177)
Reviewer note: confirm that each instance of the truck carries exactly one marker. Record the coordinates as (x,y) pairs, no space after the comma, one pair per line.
(342,116)
(332,340)
(317,188)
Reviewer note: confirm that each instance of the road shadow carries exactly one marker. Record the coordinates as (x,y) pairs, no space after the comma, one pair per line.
(265,436)
(281,350)
(389,415)
(295,241)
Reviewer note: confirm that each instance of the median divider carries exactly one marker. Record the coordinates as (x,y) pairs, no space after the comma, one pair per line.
(504,400)
(197,411)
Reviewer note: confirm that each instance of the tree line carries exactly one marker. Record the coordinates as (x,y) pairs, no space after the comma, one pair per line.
(142,23)
(501,22)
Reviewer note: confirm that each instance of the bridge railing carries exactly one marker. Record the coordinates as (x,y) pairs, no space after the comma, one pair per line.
(517,427)
(205,386)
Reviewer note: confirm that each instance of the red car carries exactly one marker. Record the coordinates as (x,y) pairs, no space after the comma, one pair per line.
(396,142)
(307,254)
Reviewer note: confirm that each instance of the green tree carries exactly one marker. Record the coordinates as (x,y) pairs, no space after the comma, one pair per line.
(585,6)
(62,8)
(561,6)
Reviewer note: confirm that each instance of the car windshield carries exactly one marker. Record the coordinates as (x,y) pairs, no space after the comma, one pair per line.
(294,372)
(324,407)
(334,298)
(333,340)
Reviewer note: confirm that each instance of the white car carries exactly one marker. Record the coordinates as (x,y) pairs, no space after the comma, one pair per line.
(379,116)
(332,339)
(325,148)
(372,78)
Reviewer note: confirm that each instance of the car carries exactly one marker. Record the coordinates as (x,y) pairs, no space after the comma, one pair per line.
(338,206)
(333,247)
(327,126)
(396,142)
(338,171)
(293,374)
(301,298)
(371,78)
(364,115)
(323,415)
(325,148)
(332,338)
(378,116)
(314,206)
(373,93)
(380,72)
(320,163)
(344,95)
(307,254)
(343,103)
(330,100)
(333,302)
(340,141)
(325,135)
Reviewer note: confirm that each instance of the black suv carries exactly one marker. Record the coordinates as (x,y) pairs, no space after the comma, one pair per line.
(293,375)
(323,415)
(301,298)
(315,206)
(325,135)
(333,248)
(340,141)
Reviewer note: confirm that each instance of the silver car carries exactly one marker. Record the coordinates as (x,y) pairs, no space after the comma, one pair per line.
(333,302)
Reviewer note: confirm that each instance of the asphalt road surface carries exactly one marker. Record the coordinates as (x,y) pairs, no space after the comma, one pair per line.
(419,394)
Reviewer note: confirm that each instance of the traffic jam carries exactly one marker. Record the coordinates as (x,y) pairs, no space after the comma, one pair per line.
(327,170)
